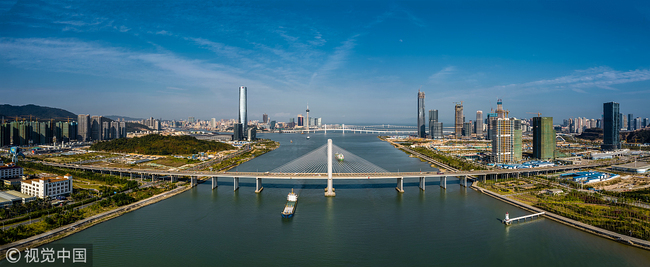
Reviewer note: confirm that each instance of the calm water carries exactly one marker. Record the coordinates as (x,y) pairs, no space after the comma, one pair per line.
(367,224)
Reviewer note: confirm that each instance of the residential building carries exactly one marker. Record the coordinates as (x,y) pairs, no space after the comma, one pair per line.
(479,124)
(506,140)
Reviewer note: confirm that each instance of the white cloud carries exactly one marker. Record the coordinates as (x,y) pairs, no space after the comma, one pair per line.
(442,75)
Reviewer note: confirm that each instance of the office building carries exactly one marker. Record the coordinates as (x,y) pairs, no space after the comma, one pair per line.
(301,120)
(238,133)
(630,122)
(45,187)
(422,130)
(611,126)
(506,140)
(435,127)
(265,118)
(83,127)
(645,123)
(479,124)
(272,125)
(252,134)
(458,119)
(467,129)
(543,138)
(637,123)
(243,110)
(490,117)
(318,122)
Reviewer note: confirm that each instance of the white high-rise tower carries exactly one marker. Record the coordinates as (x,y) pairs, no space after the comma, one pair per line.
(243,118)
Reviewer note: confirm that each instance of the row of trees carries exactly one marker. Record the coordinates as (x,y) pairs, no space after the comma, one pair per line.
(155,144)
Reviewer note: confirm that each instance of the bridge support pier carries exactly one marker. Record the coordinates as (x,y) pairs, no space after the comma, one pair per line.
(422,183)
(214,183)
(141,176)
(400,185)
(193,181)
(463,181)
(443,182)
(131,176)
(120,175)
(235,183)
(258,185)
(330,191)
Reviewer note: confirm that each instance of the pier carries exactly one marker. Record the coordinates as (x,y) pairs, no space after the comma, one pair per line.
(508,221)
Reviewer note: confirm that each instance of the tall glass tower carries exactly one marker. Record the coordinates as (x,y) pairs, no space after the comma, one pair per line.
(422,129)
(243,118)
(611,126)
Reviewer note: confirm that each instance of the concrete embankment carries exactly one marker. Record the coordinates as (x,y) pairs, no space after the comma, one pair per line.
(72,228)
(640,243)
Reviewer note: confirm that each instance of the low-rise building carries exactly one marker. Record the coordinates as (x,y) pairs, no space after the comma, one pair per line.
(10,170)
(635,167)
(44,187)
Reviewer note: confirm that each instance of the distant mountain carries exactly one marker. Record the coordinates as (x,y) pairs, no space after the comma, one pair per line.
(39,112)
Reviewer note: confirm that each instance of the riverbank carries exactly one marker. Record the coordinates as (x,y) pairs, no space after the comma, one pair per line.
(61,232)
(636,242)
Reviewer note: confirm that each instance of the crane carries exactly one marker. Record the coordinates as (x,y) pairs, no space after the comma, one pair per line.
(539,114)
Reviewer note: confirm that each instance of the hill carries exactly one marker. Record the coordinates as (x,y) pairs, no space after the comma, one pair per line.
(155,144)
(592,134)
(42,113)
(639,136)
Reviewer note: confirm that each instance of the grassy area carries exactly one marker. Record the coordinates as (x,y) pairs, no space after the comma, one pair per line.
(174,162)
(76,157)
(454,162)
(67,215)
(594,210)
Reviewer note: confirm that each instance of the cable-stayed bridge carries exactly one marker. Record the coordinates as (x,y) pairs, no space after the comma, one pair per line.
(323,164)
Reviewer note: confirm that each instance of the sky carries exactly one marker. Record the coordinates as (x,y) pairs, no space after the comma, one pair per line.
(350,61)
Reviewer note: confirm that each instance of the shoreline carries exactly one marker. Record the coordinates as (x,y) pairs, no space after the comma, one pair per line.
(66,230)
(627,240)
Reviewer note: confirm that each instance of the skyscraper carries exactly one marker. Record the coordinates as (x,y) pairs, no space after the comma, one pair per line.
(458,120)
(630,122)
(83,127)
(243,116)
(435,127)
(467,129)
(501,114)
(543,138)
(479,124)
(506,140)
(265,118)
(307,119)
(301,120)
(611,126)
(422,130)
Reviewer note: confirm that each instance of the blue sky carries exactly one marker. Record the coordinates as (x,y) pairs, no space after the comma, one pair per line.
(352,61)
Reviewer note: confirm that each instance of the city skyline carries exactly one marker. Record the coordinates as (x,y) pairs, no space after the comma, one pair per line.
(98,58)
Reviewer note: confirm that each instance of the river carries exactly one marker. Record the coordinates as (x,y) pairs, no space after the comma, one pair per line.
(368,223)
